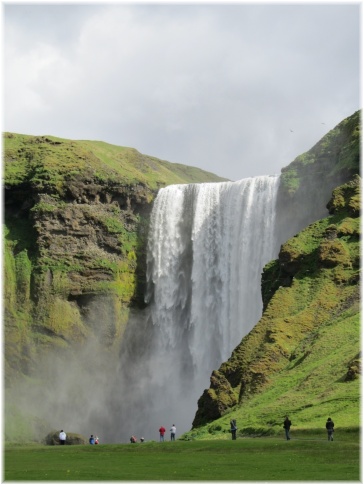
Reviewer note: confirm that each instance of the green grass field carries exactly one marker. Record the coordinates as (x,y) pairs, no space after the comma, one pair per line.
(246,459)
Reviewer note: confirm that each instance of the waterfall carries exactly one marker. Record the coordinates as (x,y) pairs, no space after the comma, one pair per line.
(207,246)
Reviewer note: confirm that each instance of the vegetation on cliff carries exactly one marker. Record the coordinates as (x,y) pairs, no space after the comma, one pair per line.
(76,220)
(48,162)
(303,356)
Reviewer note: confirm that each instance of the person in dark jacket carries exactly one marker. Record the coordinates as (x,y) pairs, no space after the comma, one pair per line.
(287,426)
(233,429)
(330,429)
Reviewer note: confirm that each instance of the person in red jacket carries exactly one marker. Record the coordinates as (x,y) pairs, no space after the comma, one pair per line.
(162,430)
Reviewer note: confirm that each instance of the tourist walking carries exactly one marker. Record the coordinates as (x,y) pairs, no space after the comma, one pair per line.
(162,430)
(330,429)
(173,433)
(287,426)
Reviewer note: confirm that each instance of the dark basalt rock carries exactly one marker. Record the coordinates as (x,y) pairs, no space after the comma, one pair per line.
(52,438)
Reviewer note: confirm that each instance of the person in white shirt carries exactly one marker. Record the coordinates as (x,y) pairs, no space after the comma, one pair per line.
(173,433)
(62,437)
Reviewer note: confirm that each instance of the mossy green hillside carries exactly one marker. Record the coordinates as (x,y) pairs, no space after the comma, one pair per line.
(303,356)
(50,163)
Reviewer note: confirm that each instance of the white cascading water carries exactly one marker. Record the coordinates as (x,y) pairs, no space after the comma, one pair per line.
(207,246)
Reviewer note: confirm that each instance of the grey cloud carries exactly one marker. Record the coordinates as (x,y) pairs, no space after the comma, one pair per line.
(215,86)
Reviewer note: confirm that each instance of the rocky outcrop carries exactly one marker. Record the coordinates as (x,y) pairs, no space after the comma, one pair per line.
(72,257)
(216,400)
(52,438)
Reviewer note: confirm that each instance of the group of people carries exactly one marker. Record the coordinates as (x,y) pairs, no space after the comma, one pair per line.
(329,427)
(287,426)
(162,430)
(233,428)
(62,438)
(133,439)
(93,440)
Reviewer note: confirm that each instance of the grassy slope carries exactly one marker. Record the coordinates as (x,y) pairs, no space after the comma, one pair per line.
(55,161)
(312,458)
(303,356)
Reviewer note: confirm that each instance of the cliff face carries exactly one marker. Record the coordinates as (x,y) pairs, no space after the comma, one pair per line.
(305,350)
(76,220)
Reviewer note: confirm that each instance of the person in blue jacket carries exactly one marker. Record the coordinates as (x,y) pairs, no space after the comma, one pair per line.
(91,440)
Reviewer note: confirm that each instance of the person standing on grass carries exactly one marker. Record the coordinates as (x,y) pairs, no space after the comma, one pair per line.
(287,426)
(173,433)
(233,429)
(91,440)
(162,430)
(62,437)
(330,429)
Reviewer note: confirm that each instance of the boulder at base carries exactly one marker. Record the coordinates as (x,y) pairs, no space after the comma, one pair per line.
(52,438)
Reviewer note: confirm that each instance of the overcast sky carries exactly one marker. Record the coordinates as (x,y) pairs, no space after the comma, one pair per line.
(236,89)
